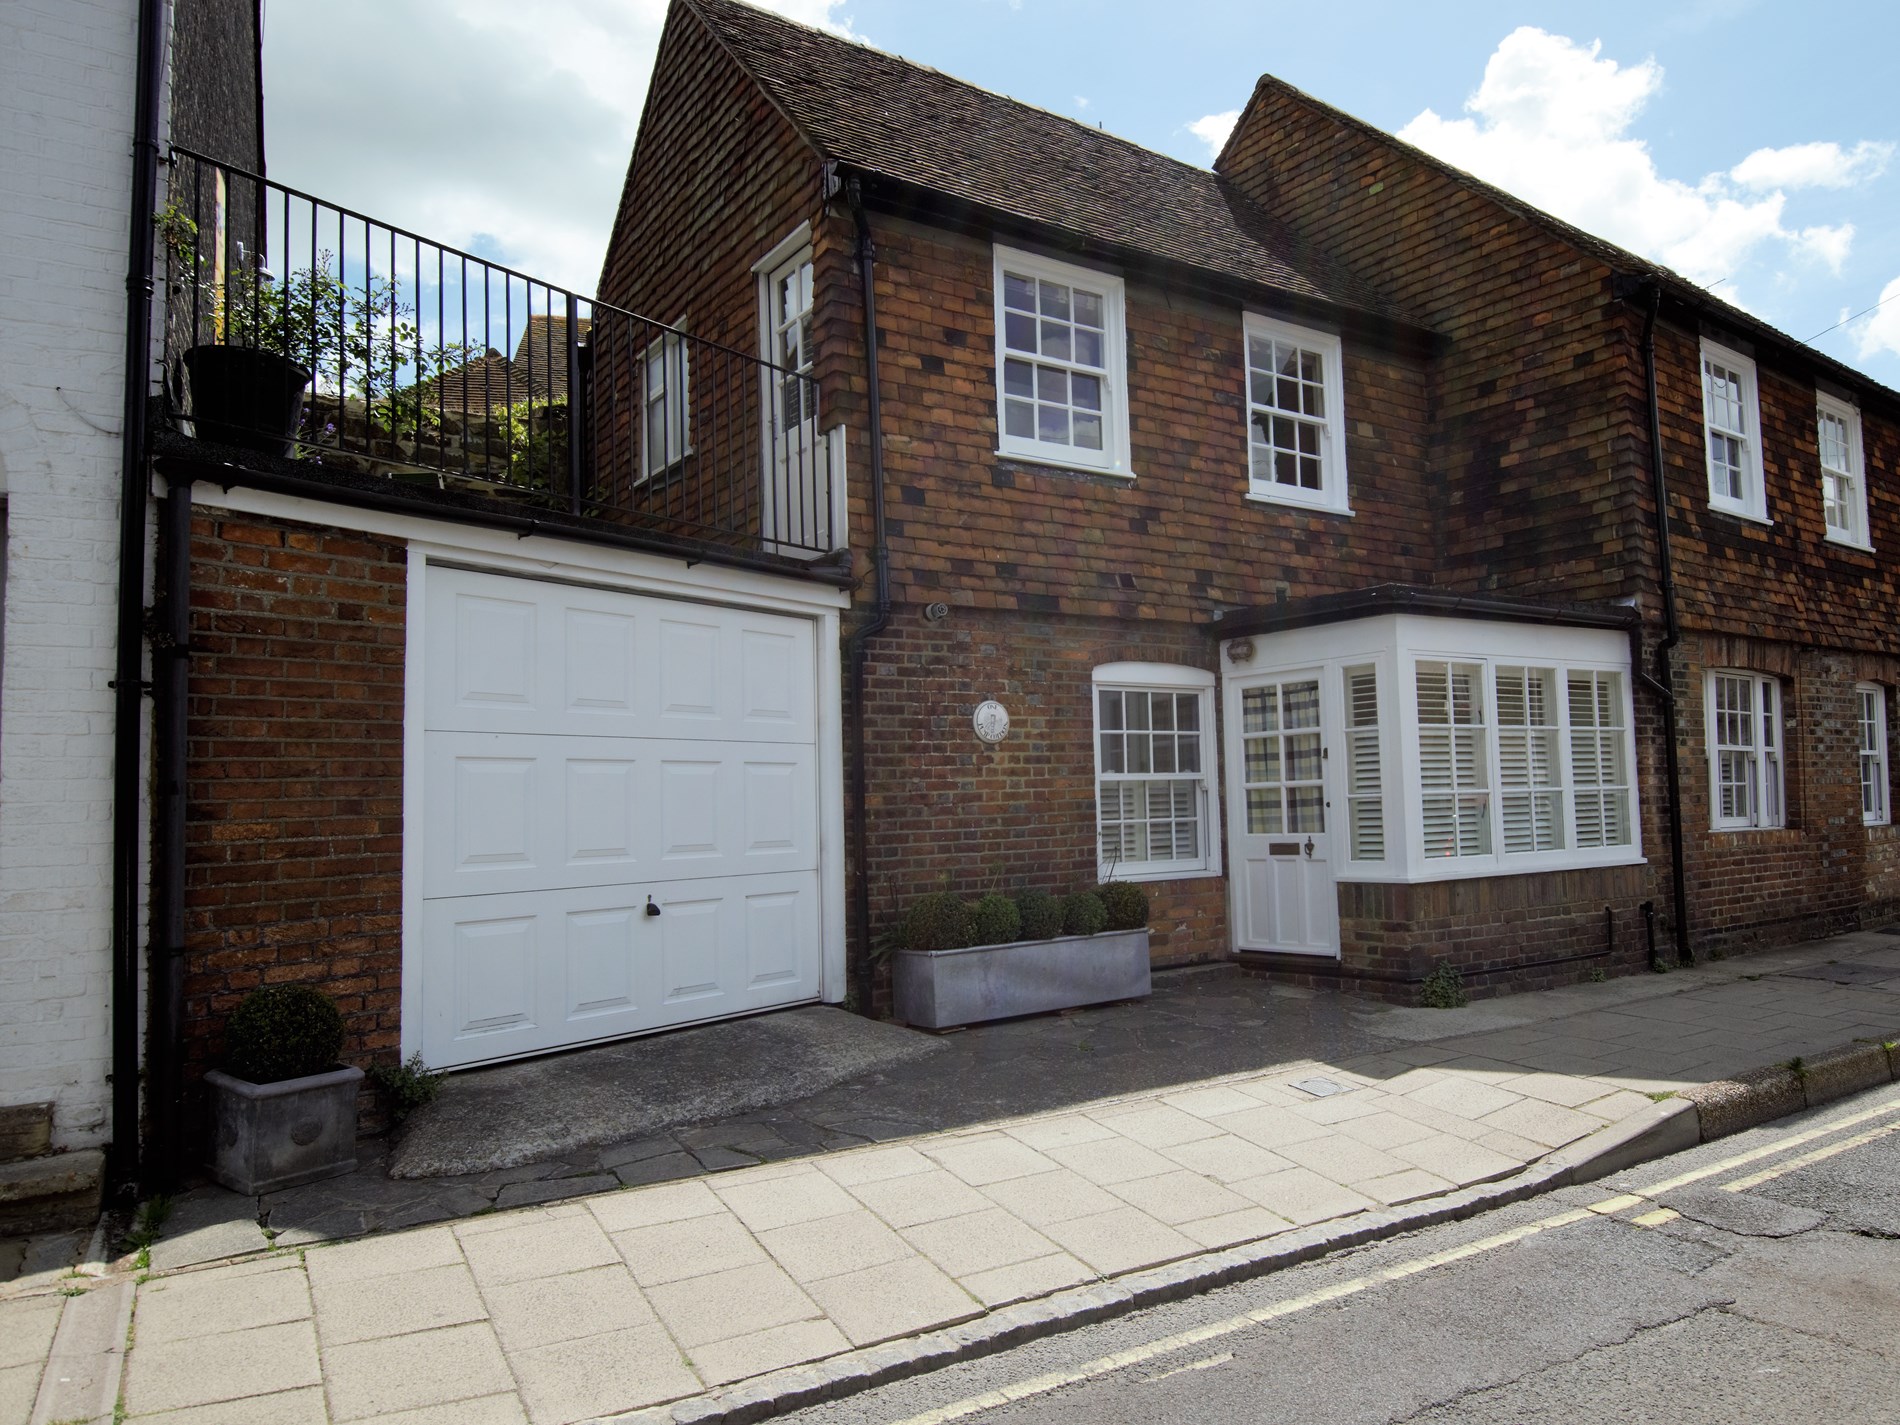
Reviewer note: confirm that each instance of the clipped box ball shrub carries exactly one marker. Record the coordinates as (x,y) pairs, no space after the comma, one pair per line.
(1041,915)
(994,920)
(1126,903)
(938,921)
(283,1032)
(1084,914)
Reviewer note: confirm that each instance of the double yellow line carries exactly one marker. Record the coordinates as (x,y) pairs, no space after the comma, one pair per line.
(1612,1206)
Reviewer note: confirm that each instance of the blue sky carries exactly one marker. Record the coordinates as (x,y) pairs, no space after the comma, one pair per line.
(1752,150)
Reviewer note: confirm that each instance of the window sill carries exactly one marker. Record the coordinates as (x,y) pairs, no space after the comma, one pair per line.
(1876,825)
(1736,827)
(669,474)
(1122,873)
(1070,467)
(1318,507)
(1490,869)
(1736,512)
(1840,541)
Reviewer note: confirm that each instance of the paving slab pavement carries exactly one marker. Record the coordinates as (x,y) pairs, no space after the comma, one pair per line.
(833,1262)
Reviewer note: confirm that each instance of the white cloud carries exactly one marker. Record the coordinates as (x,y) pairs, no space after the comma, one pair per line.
(1551,122)
(1826,244)
(1879,334)
(468,120)
(1812,165)
(1213,129)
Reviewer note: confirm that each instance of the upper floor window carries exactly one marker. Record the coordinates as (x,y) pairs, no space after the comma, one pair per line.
(1731,419)
(1296,443)
(1744,750)
(1061,372)
(663,422)
(1843,487)
(788,340)
(1871,701)
(1154,771)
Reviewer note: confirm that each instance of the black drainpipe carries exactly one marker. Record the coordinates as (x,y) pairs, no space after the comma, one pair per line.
(1662,683)
(856,645)
(128,673)
(171,686)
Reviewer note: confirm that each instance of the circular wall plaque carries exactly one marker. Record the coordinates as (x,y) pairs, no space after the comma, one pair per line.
(991,721)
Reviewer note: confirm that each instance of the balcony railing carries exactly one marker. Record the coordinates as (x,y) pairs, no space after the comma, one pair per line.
(304,331)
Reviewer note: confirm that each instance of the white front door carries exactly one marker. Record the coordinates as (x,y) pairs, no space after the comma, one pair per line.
(1281,851)
(619,815)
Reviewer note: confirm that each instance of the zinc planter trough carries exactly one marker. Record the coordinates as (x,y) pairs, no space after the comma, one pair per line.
(271,1136)
(940,989)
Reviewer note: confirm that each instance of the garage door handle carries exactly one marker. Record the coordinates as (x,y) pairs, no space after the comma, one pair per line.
(652,909)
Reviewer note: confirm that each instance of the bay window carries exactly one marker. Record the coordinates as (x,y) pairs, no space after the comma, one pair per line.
(1452,747)
(1516,760)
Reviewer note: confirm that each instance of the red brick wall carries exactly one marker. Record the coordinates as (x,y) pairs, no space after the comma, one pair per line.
(294,820)
(1541,445)
(1824,871)
(1538,432)
(1490,928)
(1179,540)
(946,810)
(717,179)
(1784,579)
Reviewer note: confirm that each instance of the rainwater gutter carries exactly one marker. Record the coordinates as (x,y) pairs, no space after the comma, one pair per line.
(1661,683)
(128,684)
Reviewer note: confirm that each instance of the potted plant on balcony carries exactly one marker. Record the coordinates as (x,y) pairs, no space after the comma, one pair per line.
(284,1109)
(247,387)
(359,339)
(958,963)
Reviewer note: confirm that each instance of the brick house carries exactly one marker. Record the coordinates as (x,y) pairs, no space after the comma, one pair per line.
(1302,514)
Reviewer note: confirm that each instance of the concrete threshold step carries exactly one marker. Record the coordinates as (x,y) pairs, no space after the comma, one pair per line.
(50,1193)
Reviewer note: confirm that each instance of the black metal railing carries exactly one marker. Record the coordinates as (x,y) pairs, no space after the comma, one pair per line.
(302,330)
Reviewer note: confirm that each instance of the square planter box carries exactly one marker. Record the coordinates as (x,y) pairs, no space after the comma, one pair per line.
(271,1136)
(939,989)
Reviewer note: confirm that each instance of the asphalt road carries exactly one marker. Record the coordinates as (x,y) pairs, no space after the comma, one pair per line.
(1756,1279)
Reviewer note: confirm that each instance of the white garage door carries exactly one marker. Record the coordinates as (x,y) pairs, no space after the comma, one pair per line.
(619,819)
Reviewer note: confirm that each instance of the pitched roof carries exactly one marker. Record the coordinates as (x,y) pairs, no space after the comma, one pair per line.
(479,385)
(542,353)
(1674,286)
(887,116)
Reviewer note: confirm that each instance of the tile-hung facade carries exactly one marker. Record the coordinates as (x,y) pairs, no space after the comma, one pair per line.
(1303,514)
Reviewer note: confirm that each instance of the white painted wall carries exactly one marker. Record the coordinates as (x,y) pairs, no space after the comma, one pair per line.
(67,94)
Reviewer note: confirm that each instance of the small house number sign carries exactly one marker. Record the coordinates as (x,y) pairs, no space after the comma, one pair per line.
(991,721)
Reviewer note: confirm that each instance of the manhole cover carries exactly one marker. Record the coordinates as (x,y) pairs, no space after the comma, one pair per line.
(1321,1088)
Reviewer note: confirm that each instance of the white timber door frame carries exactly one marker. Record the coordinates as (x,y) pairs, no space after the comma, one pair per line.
(1283,841)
